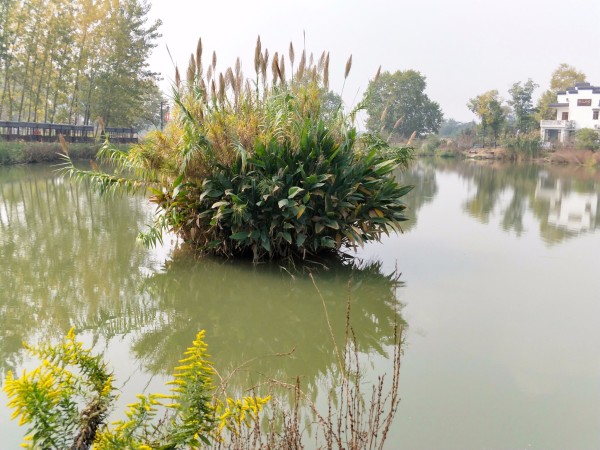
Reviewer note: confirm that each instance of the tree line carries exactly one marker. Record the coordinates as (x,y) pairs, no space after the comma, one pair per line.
(74,61)
(518,114)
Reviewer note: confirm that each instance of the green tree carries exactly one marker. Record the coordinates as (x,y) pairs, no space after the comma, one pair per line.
(397,103)
(488,107)
(123,80)
(564,77)
(522,104)
(587,139)
(76,60)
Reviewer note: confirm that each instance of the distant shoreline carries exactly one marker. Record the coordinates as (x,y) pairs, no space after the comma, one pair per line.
(24,152)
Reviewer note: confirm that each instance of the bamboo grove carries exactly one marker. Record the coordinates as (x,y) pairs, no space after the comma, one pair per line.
(72,61)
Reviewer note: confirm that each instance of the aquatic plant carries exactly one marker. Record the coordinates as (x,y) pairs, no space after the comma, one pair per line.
(266,166)
(49,400)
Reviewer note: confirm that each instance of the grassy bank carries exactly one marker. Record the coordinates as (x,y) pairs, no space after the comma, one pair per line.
(20,152)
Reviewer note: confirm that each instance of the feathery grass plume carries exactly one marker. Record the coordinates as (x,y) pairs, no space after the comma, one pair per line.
(281,67)
(377,75)
(275,68)
(221,180)
(264,60)
(321,63)
(209,74)
(291,52)
(191,71)
(326,72)
(311,60)
(412,138)
(63,144)
(301,66)
(214,60)
(203,90)
(238,67)
(221,89)
(257,53)
(177,78)
(229,78)
(101,125)
(398,122)
(384,114)
(348,67)
(199,58)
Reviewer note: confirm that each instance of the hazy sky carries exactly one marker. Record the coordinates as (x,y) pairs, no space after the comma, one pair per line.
(463,47)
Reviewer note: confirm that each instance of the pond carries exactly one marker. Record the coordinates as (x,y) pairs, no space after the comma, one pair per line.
(500,284)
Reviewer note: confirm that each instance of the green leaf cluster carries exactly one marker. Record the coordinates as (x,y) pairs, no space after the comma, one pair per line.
(48,399)
(265,167)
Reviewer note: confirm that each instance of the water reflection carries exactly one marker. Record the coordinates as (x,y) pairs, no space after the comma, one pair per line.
(70,259)
(252,311)
(65,253)
(564,201)
(422,175)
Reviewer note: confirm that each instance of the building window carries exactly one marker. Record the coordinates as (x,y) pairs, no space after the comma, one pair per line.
(595,115)
(565,116)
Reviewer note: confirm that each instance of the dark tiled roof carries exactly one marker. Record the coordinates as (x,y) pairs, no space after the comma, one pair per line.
(561,92)
(582,85)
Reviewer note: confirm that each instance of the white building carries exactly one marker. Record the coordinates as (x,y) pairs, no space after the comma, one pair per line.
(576,108)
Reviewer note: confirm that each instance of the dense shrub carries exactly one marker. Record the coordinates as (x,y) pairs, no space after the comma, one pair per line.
(587,139)
(268,169)
(524,146)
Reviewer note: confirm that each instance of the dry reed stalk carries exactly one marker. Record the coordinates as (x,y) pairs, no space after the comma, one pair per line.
(214,60)
(337,351)
(257,54)
(191,71)
(177,78)
(398,122)
(199,57)
(275,68)
(209,74)
(377,75)
(281,67)
(326,72)
(384,114)
(348,67)
(412,137)
(63,144)
(221,89)
(291,53)
(229,78)
(301,66)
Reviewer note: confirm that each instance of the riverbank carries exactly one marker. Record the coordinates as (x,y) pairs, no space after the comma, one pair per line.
(21,152)
(562,156)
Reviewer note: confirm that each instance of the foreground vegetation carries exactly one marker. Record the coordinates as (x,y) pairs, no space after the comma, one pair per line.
(264,167)
(66,401)
(21,152)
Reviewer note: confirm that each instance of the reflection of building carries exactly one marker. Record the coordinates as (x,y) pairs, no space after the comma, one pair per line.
(573,211)
(576,108)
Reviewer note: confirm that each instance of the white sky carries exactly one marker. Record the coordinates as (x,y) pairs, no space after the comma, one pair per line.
(463,47)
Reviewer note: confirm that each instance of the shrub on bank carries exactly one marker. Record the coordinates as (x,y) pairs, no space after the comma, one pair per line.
(265,166)
(587,139)
(524,146)
(22,152)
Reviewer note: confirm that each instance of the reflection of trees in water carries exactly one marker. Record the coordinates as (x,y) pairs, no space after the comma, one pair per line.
(65,253)
(564,200)
(70,259)
(252,311)
(421,175)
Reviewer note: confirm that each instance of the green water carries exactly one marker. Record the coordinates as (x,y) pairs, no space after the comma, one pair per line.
(501,298)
